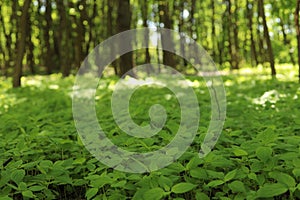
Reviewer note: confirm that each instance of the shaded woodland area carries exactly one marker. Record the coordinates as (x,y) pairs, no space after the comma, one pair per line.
(242,125)
(51,36)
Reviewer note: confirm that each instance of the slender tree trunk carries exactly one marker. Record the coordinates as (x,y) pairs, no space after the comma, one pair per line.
(192,19)
(296,17)
(144,8)
(267,38)
(111,31)
(91,21)
(21,44)
(166,39)
(180,29)
(6,55)
(234,34)
(249,7)
(64,46)
(49,51)
(286,41)
(260,38)
(30,47)
(229,30)
(213,30)
(123,24)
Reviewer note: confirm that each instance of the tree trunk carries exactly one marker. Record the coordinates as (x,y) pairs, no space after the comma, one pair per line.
(5,55)
(123,24)
(296,17)
(166,38)
(30,47)
(229,30)
(236,59)
(21,44)
(64,45)
(213,30)
(287,41)
(49,52)
(180,29)
(111,31)
(249,7)
(267,38)
(144,8)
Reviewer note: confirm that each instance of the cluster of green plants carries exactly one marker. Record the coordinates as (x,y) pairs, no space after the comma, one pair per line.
(257,155)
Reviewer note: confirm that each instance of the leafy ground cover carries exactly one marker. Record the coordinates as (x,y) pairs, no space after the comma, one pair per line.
(257,155)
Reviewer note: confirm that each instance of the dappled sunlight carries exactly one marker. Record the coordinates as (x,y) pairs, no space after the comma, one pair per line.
(271,96)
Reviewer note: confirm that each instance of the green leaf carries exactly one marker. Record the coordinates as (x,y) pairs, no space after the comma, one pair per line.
(271,190)
(17,176)
(36,188)
(5,198)
(101,181)
(237,186)
(215,183)
(199,173)
(283,178)
(79,161)
(22,186)
(264,153)
(165,182)
(240,152)
(296,172)
(201,196)
(90,193)
(183,188)
(154,194)
(28,193)
(230,175)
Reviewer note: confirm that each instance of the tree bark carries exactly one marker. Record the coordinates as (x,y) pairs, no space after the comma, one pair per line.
(21,44)
(213,30)
(286,41)
(236,37)
(111,31)
(30,47)
(166,38)
(123,24)
(64,45)
(250,24)
(144,8)
(49,52)
(267,38)
(180,29)
(296,17)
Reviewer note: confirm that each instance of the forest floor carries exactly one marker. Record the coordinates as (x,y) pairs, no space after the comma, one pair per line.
(256,156)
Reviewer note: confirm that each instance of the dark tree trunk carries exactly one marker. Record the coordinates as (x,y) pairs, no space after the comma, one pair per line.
(286,41)
(296,17)
(64,45)
(144,8)
(111,31)
(6,55)
(229,30)
(21,44)
(213,30)
(91,21)
(49,51)
(180,29)
(249,7)
(123,24)
(260,38)
(166,38)
(30,47)
(267,38)
(236,38)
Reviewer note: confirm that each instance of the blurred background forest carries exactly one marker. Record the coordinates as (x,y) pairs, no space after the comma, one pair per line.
(254,42)
(51,36)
